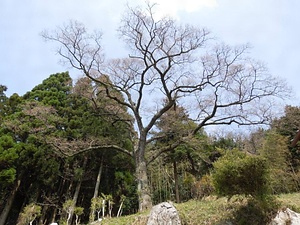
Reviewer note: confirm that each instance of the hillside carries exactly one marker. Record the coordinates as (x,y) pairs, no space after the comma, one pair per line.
(213,210)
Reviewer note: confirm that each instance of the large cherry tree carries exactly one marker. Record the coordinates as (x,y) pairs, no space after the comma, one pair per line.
(170,64)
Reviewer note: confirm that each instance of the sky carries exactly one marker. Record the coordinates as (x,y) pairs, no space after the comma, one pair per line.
(271,27)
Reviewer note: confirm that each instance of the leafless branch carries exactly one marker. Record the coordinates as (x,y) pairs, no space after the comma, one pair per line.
(68,148)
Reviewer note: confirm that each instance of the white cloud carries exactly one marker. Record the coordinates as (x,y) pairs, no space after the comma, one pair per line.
(172,7)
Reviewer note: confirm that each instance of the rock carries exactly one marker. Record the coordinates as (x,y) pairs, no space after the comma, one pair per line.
(286,216)
(164,214)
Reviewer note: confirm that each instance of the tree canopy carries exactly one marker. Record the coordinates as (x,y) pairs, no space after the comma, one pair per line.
(171,64)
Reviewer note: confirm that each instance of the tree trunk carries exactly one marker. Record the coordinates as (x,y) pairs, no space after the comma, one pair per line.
(60,191)
(103,208)
(145,201)
(52,218)
(77,220)
(9,202)
(77,190)
(69,217)
(98,215)
(43,215)
(96,191)
(120,209)
(176,182)
(109,208)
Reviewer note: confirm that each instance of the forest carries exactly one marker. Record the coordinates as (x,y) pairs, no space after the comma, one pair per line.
(133,132)
(56,150)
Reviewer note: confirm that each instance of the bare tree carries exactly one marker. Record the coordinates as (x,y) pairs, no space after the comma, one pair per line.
(170,65)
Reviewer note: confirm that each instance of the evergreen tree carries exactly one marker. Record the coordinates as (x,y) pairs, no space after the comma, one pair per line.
(3,101)
(275,150)
(189,159)
(288,125)
(67,120)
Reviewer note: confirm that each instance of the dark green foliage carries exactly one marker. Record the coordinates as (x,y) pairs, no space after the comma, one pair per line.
(8,157)
(183,159)
(227,143)
(53,91)
(256,212)
(161,195)
(3,101)
(276,152)
(79,116)
(55,112)
(237,173)
(126,186)
(287,126)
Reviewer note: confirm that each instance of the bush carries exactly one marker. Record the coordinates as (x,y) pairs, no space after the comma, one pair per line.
(29,214)
(203,187)
(256,212)
(237,173)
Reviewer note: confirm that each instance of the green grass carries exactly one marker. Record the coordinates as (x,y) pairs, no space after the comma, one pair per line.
(135,219)
(212,211)
(209,211)
(291,201)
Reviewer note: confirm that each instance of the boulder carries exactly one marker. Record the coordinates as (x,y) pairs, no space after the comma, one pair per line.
(164,214)
(286,216)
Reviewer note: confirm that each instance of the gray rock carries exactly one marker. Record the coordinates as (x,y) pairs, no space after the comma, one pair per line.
(164,214)
(286,216)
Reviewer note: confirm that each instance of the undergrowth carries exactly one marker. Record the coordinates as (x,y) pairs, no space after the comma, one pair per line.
(221,211)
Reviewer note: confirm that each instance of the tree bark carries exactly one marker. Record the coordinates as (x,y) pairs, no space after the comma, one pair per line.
(9,202)
(96,191)
(43,215)
(77,190)
(60,191)
(54,213)
(145,201)
(176,182)
(120,209)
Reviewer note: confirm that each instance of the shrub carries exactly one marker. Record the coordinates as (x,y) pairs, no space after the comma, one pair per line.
(203,187)
(237,173)
(256,212)
(29,214)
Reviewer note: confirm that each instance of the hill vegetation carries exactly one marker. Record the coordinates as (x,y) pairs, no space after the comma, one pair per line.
(60,149)
(213,211)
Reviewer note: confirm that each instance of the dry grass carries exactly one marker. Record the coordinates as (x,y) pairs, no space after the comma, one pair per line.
(135,219)
(291,201)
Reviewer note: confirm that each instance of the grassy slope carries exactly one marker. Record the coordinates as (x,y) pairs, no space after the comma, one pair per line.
(291,201)
(209,211)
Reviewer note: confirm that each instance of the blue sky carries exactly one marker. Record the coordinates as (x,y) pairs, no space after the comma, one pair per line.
(271,27)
